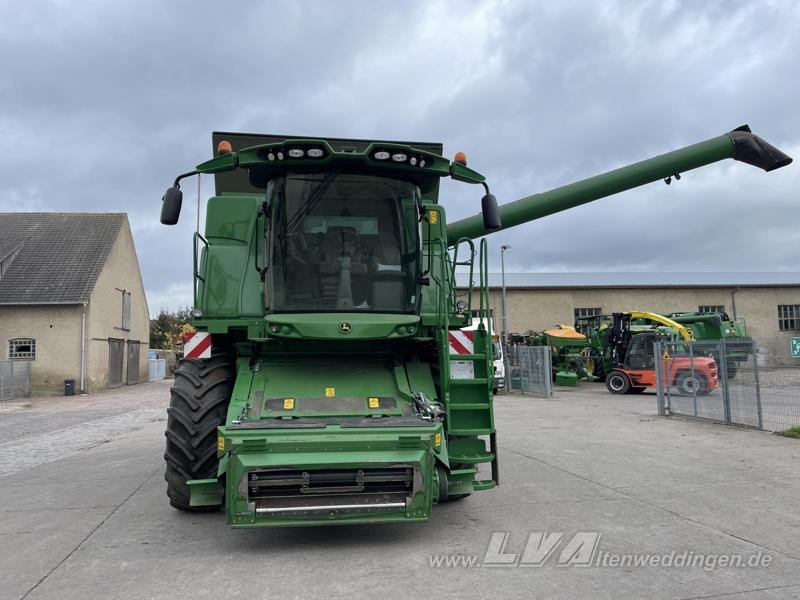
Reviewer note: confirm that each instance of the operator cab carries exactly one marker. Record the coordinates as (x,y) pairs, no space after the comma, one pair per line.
(343,242)
(640,354)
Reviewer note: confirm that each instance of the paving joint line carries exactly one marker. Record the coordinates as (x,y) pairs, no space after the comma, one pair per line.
(90,534)
(657,506)
(764,589)
(709,483)
(24,510)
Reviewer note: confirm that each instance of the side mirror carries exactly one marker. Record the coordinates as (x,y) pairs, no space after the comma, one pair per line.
(171,206)
(491,213)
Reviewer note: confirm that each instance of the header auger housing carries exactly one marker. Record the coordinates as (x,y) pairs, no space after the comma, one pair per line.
(341,386)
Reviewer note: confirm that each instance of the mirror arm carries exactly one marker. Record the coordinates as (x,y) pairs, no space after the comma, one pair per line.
(184,176)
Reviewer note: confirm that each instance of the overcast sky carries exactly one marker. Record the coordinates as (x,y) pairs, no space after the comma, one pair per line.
(103,103)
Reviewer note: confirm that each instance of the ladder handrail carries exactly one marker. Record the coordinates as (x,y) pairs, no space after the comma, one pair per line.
(471,281)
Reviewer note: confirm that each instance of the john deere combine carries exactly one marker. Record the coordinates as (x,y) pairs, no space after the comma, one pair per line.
(718,326)
(325,278)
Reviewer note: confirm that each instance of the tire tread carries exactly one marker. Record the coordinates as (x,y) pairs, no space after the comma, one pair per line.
(198,405)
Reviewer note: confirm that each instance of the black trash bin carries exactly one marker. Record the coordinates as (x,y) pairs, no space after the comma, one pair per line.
(69,387)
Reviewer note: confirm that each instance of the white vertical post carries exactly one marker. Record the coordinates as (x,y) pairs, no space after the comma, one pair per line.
(83,348)
(504,342)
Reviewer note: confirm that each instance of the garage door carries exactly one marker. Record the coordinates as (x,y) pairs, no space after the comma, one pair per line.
(133,362)
(116,358)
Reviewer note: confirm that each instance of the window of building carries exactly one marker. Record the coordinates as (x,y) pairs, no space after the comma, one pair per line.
(788,317)
(126,311)
(587,312)
(711,308)
(22,349)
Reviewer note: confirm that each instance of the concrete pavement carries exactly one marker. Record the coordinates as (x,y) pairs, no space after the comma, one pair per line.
(95,523)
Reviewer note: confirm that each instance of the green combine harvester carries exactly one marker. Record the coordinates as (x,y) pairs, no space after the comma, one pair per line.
(329,384)
(717,326)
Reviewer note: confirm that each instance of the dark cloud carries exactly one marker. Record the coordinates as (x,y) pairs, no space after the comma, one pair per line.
(102,104)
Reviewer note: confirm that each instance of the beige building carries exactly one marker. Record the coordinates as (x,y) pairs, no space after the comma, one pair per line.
(769,303)
(72,301)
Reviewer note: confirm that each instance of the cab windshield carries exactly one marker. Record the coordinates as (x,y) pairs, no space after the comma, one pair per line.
(343,243)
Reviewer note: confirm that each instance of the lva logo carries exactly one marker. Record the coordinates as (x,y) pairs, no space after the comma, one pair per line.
(576,551)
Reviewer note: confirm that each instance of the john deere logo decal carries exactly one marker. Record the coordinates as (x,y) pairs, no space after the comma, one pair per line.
(345,327)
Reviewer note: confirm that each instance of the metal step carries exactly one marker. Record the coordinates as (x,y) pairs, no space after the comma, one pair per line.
(467,357)
(468,451)
(468,406)
(485,484)
(481,381)
(468,471)
(480,431)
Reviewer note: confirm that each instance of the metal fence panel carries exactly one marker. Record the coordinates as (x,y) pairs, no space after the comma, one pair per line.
(689,379)
(15,379)
(780,397)
(746,392)
(742,384)
(530,369)
(778,381)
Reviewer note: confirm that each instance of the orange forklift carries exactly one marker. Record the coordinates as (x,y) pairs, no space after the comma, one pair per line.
(633,356)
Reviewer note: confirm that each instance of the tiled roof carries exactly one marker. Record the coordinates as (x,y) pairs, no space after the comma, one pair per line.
(642,280)
(55,258)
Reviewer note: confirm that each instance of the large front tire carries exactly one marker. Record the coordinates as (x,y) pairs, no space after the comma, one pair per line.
(198,405)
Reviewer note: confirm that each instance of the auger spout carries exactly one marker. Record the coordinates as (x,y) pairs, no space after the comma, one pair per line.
(740,144)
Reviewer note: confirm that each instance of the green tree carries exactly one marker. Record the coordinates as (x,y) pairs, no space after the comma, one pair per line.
(166,330)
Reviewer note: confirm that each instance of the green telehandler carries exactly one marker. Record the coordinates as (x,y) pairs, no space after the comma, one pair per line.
(325,385)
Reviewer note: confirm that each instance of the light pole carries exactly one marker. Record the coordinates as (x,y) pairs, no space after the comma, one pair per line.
(504,336)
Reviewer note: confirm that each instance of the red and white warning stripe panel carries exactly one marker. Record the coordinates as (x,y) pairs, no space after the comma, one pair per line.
(197,345)
(460,341)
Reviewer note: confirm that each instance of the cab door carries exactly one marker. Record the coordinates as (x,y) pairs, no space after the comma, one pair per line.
(640,353)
